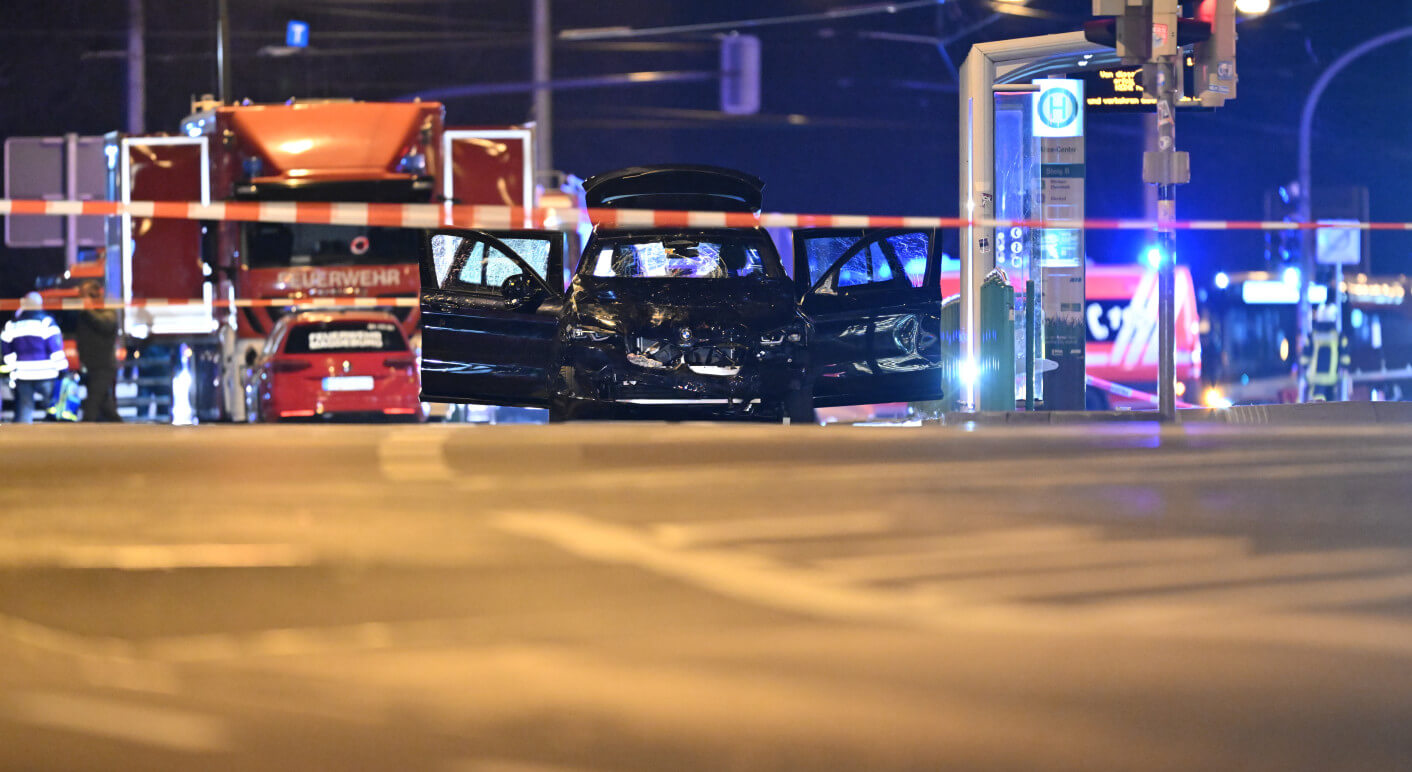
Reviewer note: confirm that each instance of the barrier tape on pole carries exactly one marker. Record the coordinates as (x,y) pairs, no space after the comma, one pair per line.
(494,217)
(1127,392)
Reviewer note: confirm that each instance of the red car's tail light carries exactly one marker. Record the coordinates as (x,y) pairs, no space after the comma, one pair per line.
(399,410)
(400,362)
(289,365)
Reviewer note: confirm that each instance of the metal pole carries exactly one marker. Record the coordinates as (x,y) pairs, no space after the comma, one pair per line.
(543,95)
(1166,240)
(1336,291)
(1306,242)
(1030,344)
(223,52)
(71,193)
(136,69)
(1166,305)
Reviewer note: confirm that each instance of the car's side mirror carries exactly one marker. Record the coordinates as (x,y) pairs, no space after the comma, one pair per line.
(521,291)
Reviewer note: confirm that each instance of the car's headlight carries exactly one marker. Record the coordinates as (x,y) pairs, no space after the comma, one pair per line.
(586,332)
(778,337)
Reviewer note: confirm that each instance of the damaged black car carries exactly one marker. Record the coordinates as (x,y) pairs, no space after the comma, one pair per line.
(681,323)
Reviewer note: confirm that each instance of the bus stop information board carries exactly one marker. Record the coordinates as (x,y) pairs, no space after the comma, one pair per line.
(1058,126)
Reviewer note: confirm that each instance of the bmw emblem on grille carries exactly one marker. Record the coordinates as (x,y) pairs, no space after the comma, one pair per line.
(685,334)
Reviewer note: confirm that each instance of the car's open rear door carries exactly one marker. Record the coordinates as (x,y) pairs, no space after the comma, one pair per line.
(490,306)
(874,300)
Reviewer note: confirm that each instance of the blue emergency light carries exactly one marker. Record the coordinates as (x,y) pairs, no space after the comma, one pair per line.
(296,34)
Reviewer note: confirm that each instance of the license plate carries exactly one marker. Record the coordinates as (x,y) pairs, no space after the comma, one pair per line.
(349,383)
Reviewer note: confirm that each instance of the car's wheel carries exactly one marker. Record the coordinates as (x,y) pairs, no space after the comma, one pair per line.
(558,410)
(798,406)
(1094,399)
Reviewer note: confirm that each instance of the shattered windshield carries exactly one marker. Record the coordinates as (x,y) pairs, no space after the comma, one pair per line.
(684,256)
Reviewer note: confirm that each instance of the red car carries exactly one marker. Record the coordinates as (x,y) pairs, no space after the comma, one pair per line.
(335,364)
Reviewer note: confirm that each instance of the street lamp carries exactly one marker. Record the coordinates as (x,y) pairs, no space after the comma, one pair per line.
(1253,7)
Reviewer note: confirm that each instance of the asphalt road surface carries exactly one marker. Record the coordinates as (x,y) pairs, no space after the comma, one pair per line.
(691,597)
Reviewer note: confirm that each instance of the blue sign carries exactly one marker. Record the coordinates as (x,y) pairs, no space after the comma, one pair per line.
(296,34)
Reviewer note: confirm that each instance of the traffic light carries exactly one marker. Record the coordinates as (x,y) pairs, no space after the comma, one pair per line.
(740,74)
(1216,56)
(1282,247)
(1129,31)
(1142,30)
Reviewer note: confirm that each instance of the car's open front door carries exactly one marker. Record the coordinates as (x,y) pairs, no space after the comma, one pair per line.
(874,300)
(490,306)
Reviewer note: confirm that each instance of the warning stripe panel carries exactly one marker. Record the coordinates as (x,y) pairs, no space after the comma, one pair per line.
(501,217)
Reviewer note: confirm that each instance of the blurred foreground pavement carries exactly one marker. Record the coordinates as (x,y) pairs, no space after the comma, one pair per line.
(696,597)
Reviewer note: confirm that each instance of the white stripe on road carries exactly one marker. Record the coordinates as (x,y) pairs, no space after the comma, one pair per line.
(1175,576)
(781,528)
(1021,540)
(155,557)
(1145,469)
(1327,594)
(127,721)
(755,578)
(735,574)
(1033,557)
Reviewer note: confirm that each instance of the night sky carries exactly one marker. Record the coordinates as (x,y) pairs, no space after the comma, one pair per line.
(859,115)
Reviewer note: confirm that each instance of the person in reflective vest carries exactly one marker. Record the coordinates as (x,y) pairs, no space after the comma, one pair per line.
(1326,356)
(66,399)
(32,354)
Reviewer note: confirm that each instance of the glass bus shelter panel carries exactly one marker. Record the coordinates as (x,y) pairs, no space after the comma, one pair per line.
(1017,181)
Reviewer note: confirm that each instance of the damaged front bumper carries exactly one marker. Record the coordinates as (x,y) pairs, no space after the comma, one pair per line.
(613,382)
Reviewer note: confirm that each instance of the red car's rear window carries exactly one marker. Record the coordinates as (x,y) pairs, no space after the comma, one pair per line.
(344,338)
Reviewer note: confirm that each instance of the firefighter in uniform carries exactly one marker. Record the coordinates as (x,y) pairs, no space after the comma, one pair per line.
(33,356)
(1326,357)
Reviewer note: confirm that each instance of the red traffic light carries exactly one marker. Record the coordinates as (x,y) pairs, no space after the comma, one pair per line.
(1137,46)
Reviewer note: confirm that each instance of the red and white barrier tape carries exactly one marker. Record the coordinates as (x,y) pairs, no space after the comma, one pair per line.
(506,217)
(79,304)
(1127,392)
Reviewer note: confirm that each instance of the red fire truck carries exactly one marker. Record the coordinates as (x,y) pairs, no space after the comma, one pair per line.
(1120,315)
(341,152)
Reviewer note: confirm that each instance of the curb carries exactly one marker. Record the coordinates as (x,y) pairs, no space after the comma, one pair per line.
(1315,413)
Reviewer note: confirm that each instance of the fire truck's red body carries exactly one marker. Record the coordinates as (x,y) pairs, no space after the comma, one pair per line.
(340,152)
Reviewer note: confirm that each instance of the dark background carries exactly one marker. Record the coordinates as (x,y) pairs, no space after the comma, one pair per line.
(853,120)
